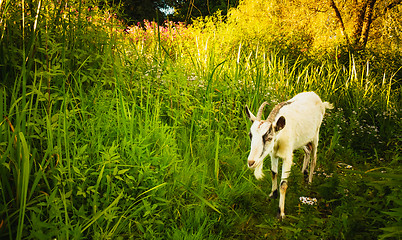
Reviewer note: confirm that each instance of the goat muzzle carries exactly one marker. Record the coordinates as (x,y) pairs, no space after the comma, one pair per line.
(251,163)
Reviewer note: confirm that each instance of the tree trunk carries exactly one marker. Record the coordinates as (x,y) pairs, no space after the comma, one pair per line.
(363,16)
(366,25)
(359,19)
(339,17)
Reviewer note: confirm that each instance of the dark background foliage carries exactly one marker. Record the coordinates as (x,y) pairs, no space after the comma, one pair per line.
(134,11)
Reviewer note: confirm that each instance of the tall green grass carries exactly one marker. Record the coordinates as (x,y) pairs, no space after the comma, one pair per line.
(103,137)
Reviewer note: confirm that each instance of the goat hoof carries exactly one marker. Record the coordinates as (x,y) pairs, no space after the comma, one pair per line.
(280,217)
(274,194)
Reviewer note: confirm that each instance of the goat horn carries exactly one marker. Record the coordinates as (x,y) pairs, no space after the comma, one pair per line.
(260,110)
(275,111)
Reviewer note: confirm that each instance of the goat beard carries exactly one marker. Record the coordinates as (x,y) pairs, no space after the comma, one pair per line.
(258,171)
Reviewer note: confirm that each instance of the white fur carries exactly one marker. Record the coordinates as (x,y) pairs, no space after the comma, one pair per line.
(303,116)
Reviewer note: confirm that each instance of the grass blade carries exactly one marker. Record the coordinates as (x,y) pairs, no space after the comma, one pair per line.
(201,198)
(99,214)
(23,187)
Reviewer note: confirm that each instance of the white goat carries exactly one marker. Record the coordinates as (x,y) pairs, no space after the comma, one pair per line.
(291,125)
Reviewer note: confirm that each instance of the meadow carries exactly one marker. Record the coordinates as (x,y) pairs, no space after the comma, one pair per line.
(115,132)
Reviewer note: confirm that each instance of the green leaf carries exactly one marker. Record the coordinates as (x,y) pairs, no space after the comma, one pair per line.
(122,171)
(76,170)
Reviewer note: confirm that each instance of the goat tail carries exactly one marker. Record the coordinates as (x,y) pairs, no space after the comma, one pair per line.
(328,105)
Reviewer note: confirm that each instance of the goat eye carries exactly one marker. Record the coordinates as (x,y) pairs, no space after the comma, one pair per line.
(266,137)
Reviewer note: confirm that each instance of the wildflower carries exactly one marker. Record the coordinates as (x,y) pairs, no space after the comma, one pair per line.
(347,166)
(192,77)
(327,175)
(308,200)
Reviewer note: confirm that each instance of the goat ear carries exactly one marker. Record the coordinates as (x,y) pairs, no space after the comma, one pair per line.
(250,115)
(280,124)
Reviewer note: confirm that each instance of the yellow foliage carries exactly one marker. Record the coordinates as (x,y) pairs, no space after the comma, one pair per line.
(300,25)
